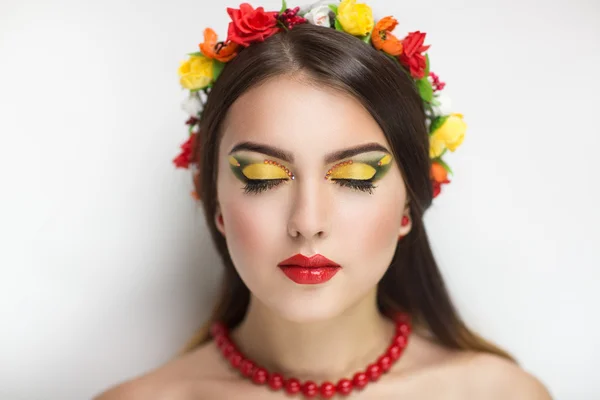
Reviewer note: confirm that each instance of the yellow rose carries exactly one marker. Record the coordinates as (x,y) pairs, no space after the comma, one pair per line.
(196,73)
(449,135)
(356,19)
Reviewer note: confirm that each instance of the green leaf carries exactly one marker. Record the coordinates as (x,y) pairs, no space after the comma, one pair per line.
(427,65)
(196,54)
(333,8)
(436,123)
(338,26)
(283,6)
(366,39)
(217,68)
(443,164)
(425,89)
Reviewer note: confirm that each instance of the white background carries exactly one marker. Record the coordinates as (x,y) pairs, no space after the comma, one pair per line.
(107,267)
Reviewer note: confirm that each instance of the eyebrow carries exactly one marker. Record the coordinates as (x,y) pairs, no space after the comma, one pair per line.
(287,156)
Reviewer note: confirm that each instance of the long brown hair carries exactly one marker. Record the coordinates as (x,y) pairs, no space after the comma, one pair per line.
(413,282)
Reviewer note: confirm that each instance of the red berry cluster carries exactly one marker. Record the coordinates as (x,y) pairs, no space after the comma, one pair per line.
(192,121)
(436,83)
(310,389)
(289,18)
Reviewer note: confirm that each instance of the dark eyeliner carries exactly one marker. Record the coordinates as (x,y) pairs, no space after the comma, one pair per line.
(357,184)
(255,186)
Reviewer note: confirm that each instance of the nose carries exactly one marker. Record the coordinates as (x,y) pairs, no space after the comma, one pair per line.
(310,212)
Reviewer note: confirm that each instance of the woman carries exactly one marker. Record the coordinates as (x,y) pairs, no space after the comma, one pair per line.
(315,169)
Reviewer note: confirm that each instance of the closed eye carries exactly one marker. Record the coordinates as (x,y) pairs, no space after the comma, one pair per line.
(255,186)
(356,184)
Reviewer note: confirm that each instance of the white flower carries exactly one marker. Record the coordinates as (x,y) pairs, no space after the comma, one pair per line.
(192,105)
(306,8)
(319,16)
(443,106)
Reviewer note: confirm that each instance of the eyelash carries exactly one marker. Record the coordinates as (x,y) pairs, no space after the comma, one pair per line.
(360,185)
(256,186)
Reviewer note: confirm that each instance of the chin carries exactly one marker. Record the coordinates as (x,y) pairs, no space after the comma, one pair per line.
(308,305)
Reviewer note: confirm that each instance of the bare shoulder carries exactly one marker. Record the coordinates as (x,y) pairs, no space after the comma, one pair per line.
(188,376)
(436,371)
(493,377)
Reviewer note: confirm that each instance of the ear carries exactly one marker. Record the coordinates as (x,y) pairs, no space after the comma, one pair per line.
(406,227)
(219,220)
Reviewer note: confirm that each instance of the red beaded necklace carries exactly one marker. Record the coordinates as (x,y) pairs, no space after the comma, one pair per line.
(309,389)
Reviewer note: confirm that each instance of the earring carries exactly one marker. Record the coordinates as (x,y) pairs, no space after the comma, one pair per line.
(405,221)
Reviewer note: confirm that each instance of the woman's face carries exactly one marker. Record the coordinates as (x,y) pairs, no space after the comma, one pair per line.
(327,208)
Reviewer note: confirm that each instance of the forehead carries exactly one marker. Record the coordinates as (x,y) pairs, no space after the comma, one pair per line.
(300,116)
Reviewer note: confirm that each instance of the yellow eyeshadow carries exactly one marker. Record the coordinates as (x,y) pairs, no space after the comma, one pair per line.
(354,170)
(385,160)
(264,171)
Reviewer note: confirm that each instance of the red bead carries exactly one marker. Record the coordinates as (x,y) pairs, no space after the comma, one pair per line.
(310,389)
(344,386)
(292,386)
(327,390)
(360,380)
(247,368)
(394,352)
(217,329)
(385,363)
(405,220)
(235,359)
(373,372)
(220,341)
(403,328)
(260,376)
(228,349)
(276,381)
(400,341)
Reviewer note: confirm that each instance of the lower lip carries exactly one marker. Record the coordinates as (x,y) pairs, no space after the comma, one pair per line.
(309,276)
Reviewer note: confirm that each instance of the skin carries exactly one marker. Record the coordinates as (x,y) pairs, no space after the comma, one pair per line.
(331,330)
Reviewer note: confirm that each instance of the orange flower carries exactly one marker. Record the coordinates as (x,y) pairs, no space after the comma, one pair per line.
(223,52)
(383,39)
(439,173)
(439,177)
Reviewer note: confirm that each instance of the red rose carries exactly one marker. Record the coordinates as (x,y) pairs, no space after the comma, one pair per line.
(248,25)
(412,57)
(185,157)
(437,187)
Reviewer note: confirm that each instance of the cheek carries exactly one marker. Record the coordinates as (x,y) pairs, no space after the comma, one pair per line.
(251,225)
(242,229)
(371,228)
(376,228)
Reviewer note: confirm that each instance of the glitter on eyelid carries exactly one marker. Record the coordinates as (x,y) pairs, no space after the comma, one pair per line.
(344,163)
(267,170)
(287,171)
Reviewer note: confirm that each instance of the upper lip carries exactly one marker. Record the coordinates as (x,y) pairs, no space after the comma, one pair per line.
(315,261)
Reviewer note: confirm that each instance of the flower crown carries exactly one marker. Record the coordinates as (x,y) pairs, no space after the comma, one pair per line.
(248,25)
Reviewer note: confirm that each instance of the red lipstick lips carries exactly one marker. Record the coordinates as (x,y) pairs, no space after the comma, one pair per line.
(309,270)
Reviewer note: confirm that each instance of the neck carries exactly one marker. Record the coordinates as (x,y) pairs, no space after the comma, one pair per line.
(321,350)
